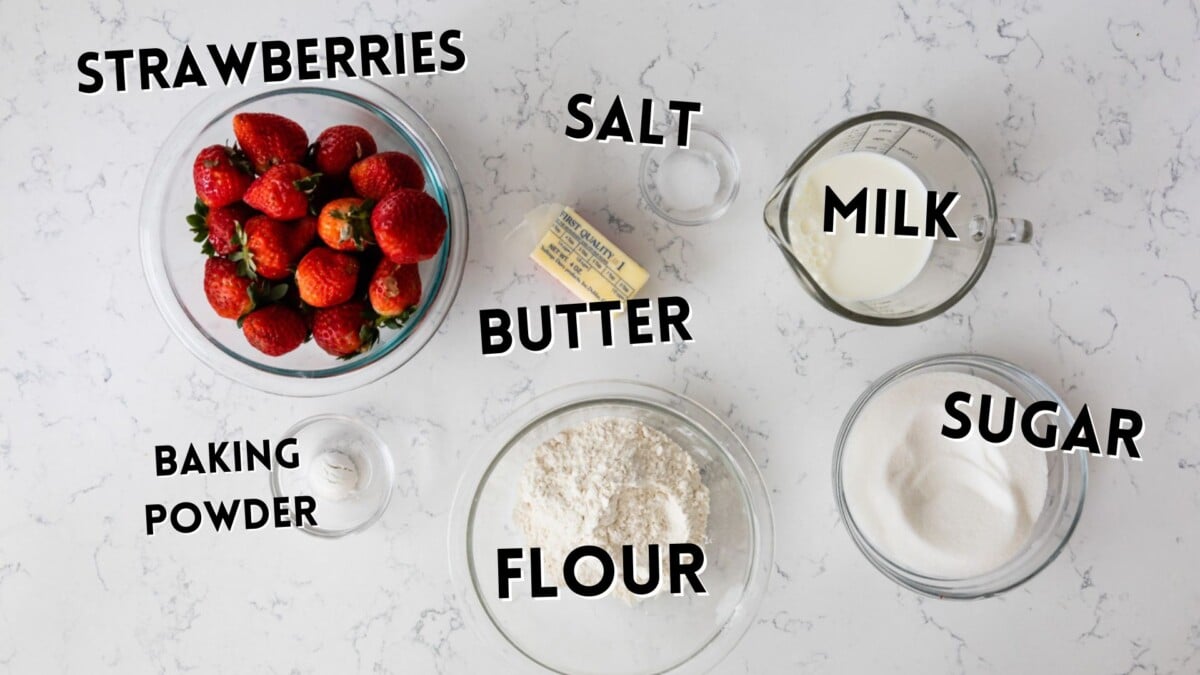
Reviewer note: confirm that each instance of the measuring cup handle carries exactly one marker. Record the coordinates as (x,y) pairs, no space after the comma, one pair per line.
(1006,230)
(1013,231)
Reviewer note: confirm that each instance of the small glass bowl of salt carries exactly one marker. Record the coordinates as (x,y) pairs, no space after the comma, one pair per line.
(690,185)
(345,467)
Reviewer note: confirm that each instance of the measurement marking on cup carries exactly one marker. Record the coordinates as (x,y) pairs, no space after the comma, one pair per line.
(898,139)
(863,134)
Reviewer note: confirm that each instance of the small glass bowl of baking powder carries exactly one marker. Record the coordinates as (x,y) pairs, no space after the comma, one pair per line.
(345,467)
(1066,483)
(608,635)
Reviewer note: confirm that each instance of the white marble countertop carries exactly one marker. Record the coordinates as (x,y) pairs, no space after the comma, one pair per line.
(1086,113)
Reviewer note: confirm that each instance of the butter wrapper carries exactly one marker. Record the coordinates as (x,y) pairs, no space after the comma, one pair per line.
(582,258)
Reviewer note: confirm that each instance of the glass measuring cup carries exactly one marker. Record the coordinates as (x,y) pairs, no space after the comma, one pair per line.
(944,163)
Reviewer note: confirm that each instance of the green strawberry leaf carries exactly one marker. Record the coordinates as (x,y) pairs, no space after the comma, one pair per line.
(359,220)
(239,159)
(398,321)
(357,230)
(308,184)
(243,257)
(198,224)
(245,264)
(253,295)
(265,292)
(367,336)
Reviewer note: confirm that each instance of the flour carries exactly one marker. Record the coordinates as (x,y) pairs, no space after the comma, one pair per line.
(610,482)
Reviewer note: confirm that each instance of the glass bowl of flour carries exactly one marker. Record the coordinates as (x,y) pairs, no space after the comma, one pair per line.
(966,517)
(580,474)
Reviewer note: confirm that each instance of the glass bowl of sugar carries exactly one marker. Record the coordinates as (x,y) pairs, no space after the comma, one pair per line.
(957,517)
(601,465)
(691,184)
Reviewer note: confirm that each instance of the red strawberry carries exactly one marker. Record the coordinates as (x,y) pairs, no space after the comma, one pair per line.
(222,227)
(282,192)
(275,329)
(395,290)
(344,330)
(303,232)
(227,292)
(220,175)
(217,228)
(409,226)
(337,148)
(380,174)
(267,249)
(269,139)
(345,224)
(326,278)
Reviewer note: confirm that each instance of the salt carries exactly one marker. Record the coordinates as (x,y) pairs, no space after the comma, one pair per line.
(689,180)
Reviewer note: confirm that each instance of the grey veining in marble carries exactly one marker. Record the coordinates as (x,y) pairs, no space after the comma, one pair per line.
(1087,114)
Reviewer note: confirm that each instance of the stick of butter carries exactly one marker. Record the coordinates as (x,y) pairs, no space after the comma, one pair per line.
(584,260)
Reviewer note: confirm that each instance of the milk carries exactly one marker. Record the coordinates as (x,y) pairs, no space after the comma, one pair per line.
(847,265)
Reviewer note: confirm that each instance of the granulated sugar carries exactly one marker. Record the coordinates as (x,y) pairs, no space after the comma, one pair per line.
(940,507)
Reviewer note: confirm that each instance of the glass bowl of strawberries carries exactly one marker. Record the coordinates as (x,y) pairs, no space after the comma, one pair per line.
(304,240)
